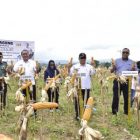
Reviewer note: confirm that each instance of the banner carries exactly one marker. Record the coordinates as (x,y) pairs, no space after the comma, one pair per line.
(12,49)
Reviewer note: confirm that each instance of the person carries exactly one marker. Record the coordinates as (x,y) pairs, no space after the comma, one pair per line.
(135,82)
(133,89)
(138,68)
(51,72)
(121,64)
(84,71)
(29,72)
(3,73)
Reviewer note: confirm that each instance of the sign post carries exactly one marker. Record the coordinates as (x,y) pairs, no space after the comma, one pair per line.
(129,75)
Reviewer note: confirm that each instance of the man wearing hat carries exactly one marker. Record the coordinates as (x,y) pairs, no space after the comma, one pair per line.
(84,71)
(3,73)
(120,65)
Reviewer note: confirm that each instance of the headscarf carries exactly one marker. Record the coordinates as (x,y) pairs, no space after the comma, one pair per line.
(50,72)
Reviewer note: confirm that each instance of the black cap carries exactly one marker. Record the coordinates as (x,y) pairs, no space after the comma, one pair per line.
(82,56)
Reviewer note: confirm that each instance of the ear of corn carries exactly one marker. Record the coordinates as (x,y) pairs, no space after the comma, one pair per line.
(88,109)
(30,112)
(3,137)
(51,80)
(21,70)
(56,77)
(73,78)
(19,96)
(70,62)
(89,133)
(44,105)
(6,79)
(47,86)
(19,108)
(24,86)
(23,131)
(113,61)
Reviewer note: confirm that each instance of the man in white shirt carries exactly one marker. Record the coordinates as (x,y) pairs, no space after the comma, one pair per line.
(84,71)
(29,67)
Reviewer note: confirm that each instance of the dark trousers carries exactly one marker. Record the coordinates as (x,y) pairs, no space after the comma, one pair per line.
(32,95)
(76,102)
(3,94)
(53,95)
(115,102)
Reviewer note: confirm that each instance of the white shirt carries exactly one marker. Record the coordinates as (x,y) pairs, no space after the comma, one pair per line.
(30,68)
(85,72)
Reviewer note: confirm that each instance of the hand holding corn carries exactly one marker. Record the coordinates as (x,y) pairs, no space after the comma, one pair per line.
(70,62)
(92,62)
(133,66)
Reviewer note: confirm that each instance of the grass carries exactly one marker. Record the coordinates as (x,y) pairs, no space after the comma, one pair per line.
(62,125)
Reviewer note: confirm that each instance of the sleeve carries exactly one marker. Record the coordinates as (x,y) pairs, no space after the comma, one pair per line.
(57,71)
(45,75)
(71,70)
(16,67)
(92,70)
(34,66)
(6,65)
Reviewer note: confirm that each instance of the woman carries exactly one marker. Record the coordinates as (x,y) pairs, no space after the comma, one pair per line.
(51,72)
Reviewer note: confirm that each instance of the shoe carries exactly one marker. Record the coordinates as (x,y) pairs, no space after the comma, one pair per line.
(114,113)
(126,113)
(51,110)
(57,110)
(77,118)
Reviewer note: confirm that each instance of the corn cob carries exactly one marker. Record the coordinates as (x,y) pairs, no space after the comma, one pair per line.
(30,112)
(88,109)
(44,105)
(73,78)
(19,96)
(70,62)
(48,85)
(23,131)
(56,77)
(112,61)
(3,137)
(21,70)
(24,86)
(51,81)
(19,108)
(6,79)
(43,95)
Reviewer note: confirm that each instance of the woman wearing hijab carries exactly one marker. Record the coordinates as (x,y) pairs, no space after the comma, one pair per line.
(51,72)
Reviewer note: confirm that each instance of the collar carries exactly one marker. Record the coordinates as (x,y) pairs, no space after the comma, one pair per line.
(82,65)
(125,59)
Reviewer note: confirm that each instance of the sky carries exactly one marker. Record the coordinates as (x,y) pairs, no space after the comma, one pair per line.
(64,28)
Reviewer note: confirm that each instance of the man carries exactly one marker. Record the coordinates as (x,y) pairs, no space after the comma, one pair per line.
(84,71)
(3,73)
(138,68)
(121,64)
(29,67)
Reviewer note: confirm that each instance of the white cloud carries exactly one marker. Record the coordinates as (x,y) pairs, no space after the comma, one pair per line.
(62,28)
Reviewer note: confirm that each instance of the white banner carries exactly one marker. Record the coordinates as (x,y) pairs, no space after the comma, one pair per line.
(12,49)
